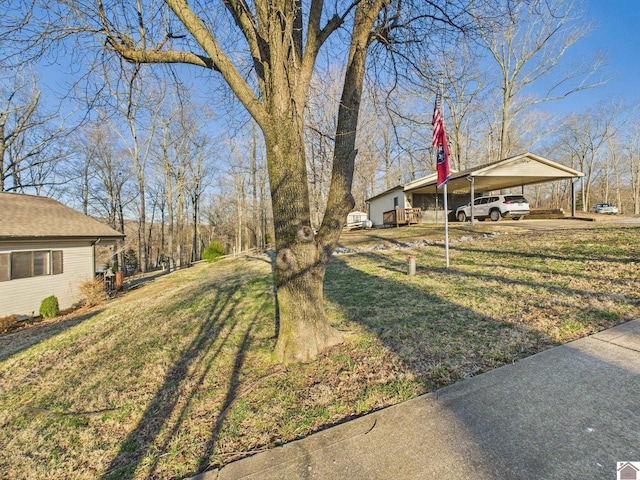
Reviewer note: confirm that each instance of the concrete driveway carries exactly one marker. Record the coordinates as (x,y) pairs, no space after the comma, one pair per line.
(583,221)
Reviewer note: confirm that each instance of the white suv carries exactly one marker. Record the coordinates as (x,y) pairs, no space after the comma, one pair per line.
(495,207)
(605,208)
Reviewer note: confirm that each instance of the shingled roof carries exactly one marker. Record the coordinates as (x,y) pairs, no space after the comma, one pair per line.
(25,217)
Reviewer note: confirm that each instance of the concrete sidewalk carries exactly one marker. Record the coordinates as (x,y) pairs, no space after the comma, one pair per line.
(571,412)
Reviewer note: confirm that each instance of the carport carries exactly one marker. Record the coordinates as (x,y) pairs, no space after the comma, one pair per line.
(517,171)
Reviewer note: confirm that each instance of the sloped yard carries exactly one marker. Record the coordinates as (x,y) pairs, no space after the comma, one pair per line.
(176,377)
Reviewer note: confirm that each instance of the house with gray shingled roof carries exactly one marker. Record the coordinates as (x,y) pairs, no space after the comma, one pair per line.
(46,248)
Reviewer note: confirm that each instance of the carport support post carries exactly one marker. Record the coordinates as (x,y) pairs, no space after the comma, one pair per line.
(573,196)
(473,181)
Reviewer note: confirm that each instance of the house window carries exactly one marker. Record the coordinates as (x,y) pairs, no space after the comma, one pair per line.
(56,262)
(21,265)
(5,270)
(41,263)
(30,264)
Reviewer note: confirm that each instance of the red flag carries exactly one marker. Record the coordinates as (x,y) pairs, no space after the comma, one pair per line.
(442,148)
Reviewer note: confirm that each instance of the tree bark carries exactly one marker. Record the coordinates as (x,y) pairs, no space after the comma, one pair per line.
(302,256)
(304,329)
(299,271)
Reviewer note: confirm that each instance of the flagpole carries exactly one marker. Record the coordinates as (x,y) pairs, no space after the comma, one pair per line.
(442,167)
(446,227)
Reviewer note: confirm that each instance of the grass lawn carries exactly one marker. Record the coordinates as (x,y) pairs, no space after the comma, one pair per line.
(177,376)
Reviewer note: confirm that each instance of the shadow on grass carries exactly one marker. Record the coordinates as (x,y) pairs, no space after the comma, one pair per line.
(15,342)
(371,237)
(438,341)
(441,339)
(569,257)
(520,421)
(213,335)
(560,270)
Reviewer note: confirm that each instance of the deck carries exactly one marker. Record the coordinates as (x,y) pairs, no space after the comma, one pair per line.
(402,216)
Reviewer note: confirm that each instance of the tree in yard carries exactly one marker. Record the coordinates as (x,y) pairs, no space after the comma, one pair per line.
(458,76)
(631,159)
(30,144)
(139,104)
(258,182)
(529,51)
(238,180)
(172,145)
(320,123)
(464,85)
(198,174)
(583,138)
(105,191)
(266,53)
(239,212)
(182,165)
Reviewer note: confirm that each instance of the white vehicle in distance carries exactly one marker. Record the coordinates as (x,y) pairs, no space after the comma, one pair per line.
(605,208)
(495,207)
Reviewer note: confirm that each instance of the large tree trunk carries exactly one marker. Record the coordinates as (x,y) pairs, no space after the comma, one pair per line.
(301,255)
(304,329)
(299,271)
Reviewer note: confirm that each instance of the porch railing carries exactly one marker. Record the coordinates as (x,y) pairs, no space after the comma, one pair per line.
(402,216)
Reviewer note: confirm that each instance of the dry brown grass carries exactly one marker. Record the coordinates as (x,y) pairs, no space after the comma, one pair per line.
(177,376)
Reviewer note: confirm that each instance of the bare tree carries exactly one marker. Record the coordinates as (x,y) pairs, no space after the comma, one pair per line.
(137,101)
(614,160)
(530,49)
(196,181)
(457,75)
(31,141)
(631,154)
(258,184)
(173,148)
(583,138)
(465,85)
(243,188)
(106,194)
(238,174)
(368,164)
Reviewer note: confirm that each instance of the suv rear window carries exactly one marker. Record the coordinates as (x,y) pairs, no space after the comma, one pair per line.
(515,199)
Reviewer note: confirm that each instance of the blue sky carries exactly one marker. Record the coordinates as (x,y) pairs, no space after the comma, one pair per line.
(616,33)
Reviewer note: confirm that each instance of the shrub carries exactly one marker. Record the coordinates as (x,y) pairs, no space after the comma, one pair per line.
(49,307)
(214,251)
(92,292)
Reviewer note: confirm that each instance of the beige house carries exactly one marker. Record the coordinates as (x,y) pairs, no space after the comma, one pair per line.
(46,248)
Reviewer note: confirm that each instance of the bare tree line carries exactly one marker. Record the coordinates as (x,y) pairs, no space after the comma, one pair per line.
(36,155)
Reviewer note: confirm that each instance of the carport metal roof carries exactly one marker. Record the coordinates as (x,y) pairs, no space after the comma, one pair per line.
(524,169)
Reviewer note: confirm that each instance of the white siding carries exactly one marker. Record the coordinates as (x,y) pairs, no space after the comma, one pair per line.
(24,296)
(384,203)
(525,167)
